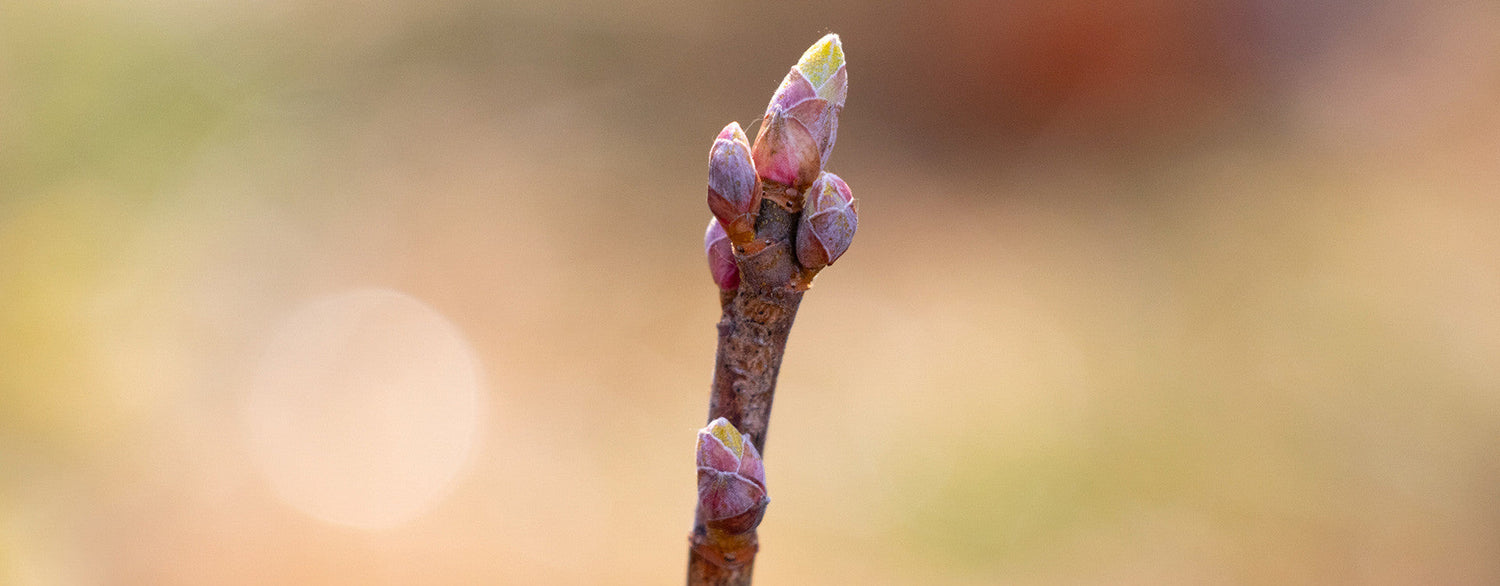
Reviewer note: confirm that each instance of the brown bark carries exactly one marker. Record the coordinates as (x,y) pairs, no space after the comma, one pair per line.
(709,565)
(752,339)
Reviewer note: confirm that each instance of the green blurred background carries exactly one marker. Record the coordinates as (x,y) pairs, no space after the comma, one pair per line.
(1147,292)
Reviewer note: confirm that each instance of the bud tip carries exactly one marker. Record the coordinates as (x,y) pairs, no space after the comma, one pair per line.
(733,132)
(822,59)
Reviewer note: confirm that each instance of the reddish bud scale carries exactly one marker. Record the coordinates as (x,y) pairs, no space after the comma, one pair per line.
(785,150)
(829,218)
(720,255)
(733,186)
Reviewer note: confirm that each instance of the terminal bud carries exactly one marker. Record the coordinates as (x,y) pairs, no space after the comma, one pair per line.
(801,122)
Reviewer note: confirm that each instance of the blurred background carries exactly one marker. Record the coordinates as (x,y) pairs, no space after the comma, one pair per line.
(1145,292)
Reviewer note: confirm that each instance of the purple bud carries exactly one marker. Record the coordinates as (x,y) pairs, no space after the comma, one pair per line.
(720,256)
(829,218)
(801,122)
(733,187)
(731,479)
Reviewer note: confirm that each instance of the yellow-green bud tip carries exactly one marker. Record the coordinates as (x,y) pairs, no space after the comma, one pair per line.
(822,60)
(728,435)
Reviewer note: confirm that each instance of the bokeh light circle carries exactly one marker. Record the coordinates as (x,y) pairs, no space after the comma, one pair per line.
(364,408)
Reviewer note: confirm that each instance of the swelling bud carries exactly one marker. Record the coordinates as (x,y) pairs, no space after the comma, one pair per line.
(829,218)
(731,479)
(721,263)
(733,187)
(801,122)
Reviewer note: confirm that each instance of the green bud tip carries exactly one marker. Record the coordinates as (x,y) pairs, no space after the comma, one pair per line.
(822,60)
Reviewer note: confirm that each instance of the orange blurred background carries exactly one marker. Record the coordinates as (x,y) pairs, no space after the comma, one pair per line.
(1147,292)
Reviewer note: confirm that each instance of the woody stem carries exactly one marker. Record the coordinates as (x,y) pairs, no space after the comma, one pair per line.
(753,331)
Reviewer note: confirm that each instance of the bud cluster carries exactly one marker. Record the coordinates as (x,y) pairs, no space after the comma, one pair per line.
(785,165)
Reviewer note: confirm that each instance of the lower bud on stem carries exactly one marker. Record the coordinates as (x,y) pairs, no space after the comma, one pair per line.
(731,480)
(731,495)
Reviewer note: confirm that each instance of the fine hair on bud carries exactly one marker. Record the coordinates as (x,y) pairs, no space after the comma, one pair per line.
(721,263)
(829,218)
(733,186)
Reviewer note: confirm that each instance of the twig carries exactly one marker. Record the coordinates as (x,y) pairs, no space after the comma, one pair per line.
(779,219)
(752,339)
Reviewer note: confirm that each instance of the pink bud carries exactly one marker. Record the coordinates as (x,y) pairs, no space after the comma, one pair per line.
(829,218)
(801,122)
(720,256)
(731,479)
(733,188)
(785,151)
